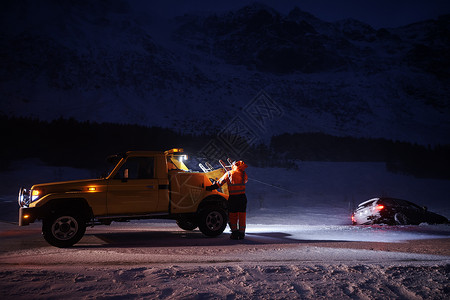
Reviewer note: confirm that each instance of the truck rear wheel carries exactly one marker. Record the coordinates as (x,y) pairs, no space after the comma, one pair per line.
(212,220)
(63,229)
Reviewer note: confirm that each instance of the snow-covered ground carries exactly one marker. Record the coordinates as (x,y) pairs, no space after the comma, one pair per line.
(299,244)
(143,260)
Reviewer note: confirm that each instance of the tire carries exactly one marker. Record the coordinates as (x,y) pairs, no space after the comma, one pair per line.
(401,219)
(63,229)
(212,221)
(188,225)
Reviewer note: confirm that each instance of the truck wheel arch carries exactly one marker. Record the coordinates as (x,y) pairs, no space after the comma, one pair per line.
(79,205)
(214,200)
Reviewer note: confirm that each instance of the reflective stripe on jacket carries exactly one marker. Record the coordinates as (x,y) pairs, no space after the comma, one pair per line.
(236,180)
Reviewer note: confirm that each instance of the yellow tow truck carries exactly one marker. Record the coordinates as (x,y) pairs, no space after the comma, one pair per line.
(142,185)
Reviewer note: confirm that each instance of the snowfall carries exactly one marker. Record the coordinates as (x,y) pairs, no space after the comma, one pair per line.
(300,244)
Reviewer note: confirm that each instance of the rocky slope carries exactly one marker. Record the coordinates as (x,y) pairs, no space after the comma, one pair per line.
(109,62)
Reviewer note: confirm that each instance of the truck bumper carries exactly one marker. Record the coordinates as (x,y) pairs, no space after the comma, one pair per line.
(28,215)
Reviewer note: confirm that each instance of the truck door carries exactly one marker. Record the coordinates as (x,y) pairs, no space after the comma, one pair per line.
(134,188)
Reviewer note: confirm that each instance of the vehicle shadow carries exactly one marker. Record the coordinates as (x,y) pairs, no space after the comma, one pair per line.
(170,237)
(184,239)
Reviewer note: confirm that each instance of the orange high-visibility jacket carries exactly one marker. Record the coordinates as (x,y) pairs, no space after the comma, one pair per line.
(236,178)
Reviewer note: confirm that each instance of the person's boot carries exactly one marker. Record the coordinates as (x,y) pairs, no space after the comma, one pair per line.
(241,235)
(234,235)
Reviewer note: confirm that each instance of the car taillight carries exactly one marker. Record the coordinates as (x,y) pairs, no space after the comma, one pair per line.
(379,207)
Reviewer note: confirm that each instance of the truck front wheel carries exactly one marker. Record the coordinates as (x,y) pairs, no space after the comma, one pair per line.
(63,229)
(212,221)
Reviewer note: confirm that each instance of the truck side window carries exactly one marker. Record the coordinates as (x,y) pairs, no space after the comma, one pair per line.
(138,168)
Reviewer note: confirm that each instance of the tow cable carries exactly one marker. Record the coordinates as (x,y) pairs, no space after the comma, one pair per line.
(271,185)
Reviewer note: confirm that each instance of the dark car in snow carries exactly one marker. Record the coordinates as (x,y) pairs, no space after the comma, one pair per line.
(391,211)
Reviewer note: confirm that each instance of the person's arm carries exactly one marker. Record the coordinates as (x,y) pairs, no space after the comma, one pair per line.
(212,187)
(218,183)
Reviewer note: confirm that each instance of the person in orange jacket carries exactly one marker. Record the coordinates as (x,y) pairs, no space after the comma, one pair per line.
(237,202)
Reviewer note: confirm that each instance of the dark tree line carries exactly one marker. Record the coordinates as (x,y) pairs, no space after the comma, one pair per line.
(83,144)
(67,142)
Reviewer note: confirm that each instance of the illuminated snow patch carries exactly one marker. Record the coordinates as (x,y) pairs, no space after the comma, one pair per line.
(390,234)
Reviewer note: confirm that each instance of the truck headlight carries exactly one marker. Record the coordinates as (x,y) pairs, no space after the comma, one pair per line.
(35,195)
(24,197)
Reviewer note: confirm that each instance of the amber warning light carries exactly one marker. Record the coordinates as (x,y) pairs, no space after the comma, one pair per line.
(379,207)
(35,195)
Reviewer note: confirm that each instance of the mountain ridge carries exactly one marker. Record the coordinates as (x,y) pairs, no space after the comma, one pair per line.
(341,78)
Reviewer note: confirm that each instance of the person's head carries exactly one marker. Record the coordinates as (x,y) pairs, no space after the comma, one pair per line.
(239,166)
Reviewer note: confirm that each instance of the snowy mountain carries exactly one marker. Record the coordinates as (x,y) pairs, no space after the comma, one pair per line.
(112,61)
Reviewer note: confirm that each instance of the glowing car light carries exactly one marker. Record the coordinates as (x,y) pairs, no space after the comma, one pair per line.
(91,189)
(35,195)
(26,216)
(379,207)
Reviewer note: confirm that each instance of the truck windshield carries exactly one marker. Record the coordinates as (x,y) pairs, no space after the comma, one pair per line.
(176,162)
